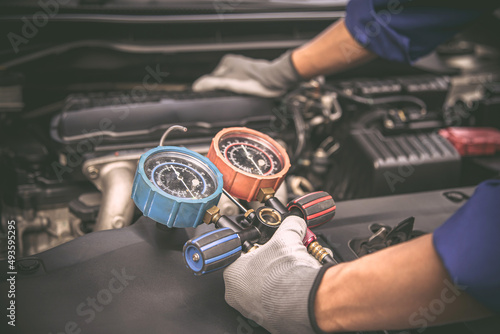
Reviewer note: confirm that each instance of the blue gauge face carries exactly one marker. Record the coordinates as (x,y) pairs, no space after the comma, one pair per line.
(180,175)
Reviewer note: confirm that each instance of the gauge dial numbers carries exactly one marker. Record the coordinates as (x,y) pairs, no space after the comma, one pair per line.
(248,160)
(175,186)
(250,156)
(180,175)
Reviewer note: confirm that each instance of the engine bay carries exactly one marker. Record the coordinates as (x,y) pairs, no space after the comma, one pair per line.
(85,99)
(353,138)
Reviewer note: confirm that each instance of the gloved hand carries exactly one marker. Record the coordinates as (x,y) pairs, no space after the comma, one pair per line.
(245,75)
(271,285)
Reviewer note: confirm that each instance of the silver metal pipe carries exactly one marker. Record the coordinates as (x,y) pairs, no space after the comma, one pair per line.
(234,200)
(170,129)
(117,206)
(114,177)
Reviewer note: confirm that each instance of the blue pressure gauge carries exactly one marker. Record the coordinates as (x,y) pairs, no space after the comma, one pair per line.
(175,186)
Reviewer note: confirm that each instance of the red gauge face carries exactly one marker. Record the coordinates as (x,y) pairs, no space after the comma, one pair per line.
(248,160)
(251,154)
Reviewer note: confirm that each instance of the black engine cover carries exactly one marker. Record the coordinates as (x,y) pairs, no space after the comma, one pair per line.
(138,280)
(108,120)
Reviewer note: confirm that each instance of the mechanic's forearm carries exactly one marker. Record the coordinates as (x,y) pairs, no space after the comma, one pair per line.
(332,51)
(404,286)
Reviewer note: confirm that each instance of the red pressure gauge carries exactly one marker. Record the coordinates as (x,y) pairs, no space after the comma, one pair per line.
(248,160)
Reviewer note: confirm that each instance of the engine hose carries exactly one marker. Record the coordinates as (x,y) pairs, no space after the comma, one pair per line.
(364,121)
(300,129)
(379,100)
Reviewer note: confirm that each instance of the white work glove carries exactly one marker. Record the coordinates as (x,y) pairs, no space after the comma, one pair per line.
(272,284)
(245,75)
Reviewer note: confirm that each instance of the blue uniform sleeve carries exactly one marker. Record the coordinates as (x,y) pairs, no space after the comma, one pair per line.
(405,30)
(469,245)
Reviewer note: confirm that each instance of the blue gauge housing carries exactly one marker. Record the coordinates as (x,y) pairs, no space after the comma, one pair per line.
(167,209)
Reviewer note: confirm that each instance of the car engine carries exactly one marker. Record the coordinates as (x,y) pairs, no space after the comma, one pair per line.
(95,89)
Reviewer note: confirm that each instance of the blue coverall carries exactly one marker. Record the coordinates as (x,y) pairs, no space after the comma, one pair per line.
(405,30)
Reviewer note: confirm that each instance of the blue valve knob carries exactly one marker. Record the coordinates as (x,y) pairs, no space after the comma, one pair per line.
(212,251)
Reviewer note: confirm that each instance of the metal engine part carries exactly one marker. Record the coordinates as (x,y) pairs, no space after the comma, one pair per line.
(44,230)
(113,176)
(281,194)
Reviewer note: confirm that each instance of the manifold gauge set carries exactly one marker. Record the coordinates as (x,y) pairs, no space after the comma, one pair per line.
(179,188)
(175,186)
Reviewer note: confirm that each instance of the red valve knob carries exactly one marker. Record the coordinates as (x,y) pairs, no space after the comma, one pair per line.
(316,208)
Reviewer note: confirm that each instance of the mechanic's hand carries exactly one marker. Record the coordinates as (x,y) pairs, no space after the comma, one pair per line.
(244,75)
(271,285)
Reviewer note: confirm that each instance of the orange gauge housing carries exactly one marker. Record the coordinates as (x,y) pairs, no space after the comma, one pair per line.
(248,160)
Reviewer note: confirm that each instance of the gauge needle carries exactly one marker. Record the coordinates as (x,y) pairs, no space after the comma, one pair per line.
(182,180)
(251,159)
